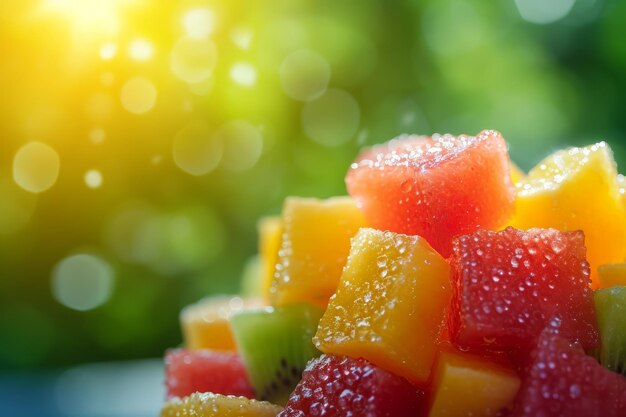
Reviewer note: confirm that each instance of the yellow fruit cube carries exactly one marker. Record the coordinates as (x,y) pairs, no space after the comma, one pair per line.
(621,180)
(270,231)
(574,189)
(612,275)
(390,304)
(205,324)
(466,385)
(314,246)
(214,405)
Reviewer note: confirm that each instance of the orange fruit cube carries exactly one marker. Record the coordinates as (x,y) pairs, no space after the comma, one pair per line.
(206,325)
(467,385)
(390,304)
(314,246)
(270,231)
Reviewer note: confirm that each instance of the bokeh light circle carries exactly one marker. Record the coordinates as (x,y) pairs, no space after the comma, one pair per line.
(243,74)
(543,12)
(97,135)
(93,178)
(138,95)
(332,119)
(141,49)
(304,75)
(243,145)
(195,150)
(199,22)
(82,282)
(36,167)
(193,60)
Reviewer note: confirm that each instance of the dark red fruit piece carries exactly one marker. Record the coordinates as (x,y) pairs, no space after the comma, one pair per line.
(188,371)
(337,386)
(509,285)
(564,382)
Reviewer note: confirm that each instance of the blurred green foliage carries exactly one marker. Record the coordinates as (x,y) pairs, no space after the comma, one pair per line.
(170,237)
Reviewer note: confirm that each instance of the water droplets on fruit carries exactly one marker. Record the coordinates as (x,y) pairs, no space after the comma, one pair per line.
(574,391)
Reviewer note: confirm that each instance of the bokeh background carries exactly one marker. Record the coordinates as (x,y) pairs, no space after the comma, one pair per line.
(141,140)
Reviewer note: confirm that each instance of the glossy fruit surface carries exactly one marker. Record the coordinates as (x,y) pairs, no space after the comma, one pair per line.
(577,189)
(612,275)
(564,382)
(390,304)
(465,384)
(509,285)
(314,246)
(437,187)
(270,231)
(337,386)
(214,405)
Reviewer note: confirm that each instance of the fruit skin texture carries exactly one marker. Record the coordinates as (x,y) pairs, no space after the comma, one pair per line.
(577,189)
(314,246)
(270,231)
(223,373)
(612,275)
(468,385)
(337,386)
(611,311)
(390,304)
(437,187)
(564,382)
(214,405)
(509,285)
(205,323)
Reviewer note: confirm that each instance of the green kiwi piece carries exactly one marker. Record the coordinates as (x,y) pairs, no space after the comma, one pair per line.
(276,344)
(611,315)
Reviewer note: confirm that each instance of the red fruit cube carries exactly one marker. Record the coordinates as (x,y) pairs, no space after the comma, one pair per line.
(437,187)
(564,382)
(509,285)
(337,386)
(189,371)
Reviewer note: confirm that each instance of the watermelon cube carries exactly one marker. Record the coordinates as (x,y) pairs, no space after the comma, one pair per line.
(337,386)
(218,372)
(509,285)
(564,382)
(437,187)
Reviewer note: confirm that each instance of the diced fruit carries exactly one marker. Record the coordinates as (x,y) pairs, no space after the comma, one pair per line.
(390,304)
(276,345)
(467,385)
(612,275)
(205,323)
(577,189)
(437,187)
(516,173)
(314,247)
(337,386)
(564,382)
(214,405)
(509,285)
(611,312)
(223,373)
(270,231)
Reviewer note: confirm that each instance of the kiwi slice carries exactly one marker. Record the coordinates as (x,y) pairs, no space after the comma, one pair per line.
(611,314)
(275,344)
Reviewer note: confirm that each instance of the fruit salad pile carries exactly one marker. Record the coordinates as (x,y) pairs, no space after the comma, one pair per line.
(448,283)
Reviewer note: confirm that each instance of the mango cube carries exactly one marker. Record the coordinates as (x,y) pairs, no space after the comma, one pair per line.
(466,385)
(208,404)
(270,231)
(314,246)
(390,304)
(574,189)
(206,325)
(612,275)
